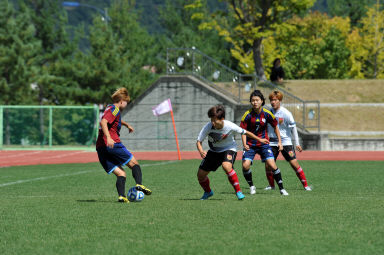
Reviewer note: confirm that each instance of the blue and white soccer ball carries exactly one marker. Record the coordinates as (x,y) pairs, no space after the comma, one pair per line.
(135,195)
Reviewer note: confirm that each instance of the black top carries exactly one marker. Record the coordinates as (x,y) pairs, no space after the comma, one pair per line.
(277,72)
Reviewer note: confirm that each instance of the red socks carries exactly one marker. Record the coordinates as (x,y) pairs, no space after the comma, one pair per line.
(232,177)
(300,174)
(270,178)
(205,185)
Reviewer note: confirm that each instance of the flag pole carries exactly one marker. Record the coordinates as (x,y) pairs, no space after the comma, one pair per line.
(174,129)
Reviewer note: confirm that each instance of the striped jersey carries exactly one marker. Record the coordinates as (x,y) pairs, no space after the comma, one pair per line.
(257,124)
(113,116)
(220,140)
(286,124)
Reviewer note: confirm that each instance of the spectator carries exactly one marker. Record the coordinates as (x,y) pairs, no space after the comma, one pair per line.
(277,72)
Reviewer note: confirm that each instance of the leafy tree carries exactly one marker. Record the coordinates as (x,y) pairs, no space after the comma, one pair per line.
(372,32)
(181,31)
(354,9)
(247,23)
(312,47)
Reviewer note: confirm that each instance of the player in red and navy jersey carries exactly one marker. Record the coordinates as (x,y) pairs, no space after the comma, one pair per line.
(111,152)
(256,120)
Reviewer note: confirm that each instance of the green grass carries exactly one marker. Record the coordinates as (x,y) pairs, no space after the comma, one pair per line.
(71,209)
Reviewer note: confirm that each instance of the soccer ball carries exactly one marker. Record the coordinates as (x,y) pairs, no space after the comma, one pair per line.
(135,195)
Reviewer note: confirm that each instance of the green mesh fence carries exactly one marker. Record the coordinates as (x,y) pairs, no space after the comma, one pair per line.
(50,127)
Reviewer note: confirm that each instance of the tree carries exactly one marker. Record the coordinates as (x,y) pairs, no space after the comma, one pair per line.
(247,23)
(119,51)
(181,31)
(313,47)
(18,54)
(354,9)
(372,32)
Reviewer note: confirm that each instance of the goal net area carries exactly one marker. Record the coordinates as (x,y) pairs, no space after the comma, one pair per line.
(50,127)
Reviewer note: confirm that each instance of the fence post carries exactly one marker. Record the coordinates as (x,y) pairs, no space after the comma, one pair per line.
(1,127)
(304,114)
(50,126)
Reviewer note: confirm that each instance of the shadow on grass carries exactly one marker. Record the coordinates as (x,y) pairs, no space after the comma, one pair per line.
(198,199)
(95,201)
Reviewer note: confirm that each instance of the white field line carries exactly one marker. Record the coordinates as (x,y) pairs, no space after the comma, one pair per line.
(7,156)
(71,174)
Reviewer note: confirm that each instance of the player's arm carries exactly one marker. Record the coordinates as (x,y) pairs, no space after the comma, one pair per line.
(253,136)
(244,140)
(104,127)
(277,132)
(296,137)
(130,128)
(200,149)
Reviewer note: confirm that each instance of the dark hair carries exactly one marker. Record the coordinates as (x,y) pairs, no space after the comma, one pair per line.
(274,61)
(217,111)
(257,93)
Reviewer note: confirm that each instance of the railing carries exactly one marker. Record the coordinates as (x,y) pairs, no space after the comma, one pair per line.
(191,61)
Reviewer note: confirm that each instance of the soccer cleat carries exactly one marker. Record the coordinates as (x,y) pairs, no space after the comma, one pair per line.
(269,188)
(284,192)
(123,199)
(206,195)
(308,188)
(240,195)
(252,190)
(143,189)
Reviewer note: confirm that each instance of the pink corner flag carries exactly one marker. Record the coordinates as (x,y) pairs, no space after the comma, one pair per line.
(162,108)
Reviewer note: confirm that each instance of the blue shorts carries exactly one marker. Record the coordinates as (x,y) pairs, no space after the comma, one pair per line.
(110,159)
(264,151)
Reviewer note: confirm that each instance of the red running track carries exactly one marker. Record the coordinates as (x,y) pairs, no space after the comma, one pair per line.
(20,158)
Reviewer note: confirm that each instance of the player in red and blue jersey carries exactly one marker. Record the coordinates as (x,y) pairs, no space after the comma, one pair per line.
(111,152)
(256,121)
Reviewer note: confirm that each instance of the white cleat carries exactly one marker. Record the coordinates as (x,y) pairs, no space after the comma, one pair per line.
(308,188)
(269,188)
(252,190)
(284,192)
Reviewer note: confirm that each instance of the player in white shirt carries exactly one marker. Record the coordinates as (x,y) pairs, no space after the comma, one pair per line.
(222,149)
(287,127)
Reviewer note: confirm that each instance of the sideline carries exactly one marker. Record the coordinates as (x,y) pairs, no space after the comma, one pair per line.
(72,174)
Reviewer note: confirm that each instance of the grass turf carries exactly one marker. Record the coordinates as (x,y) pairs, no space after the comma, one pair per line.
(72,209)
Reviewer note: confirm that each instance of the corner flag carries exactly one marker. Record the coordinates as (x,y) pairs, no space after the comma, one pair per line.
(165,107)
(162,108)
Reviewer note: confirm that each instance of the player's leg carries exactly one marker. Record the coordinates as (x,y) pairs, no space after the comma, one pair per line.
(276,175)
(269,171)
(120,184)
(111,164)
(300,173)
(210,163)
(227,165)
(290,156)
(133,164)
(247,160)
(202,177)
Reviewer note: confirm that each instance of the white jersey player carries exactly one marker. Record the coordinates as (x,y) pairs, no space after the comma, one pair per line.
(287,127)
(222,149)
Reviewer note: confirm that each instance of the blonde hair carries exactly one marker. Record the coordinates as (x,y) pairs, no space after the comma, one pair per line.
(277,94)
(120,94)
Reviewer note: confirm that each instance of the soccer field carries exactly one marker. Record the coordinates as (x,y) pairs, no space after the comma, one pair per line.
(72,209)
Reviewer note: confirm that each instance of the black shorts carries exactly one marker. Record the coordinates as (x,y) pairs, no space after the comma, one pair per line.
(288,152)
(215,159)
